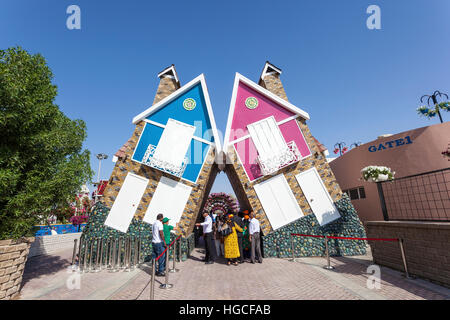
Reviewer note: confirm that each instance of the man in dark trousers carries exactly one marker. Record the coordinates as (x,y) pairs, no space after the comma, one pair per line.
(207,236)
(238,219)
(255,238)
(159,245)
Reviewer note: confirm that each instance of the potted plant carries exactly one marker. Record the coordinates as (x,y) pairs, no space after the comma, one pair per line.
(377,174)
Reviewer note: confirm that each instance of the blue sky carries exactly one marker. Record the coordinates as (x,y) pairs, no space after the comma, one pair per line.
(354,82)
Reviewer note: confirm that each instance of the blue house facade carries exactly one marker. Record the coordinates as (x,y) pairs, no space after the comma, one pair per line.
(168,166)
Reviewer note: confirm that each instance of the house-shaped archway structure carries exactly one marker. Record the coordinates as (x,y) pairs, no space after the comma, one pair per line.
(168,165)
(280,171)
(274,164)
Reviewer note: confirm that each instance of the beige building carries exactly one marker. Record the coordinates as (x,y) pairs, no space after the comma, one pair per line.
(410,153)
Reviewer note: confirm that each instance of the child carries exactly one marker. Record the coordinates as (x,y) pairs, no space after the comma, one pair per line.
(166,230)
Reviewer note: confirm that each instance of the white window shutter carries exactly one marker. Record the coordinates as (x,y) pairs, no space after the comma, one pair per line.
(267,137)
(174,142)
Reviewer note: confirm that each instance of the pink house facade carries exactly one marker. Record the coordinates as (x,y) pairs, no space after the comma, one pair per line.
(239,136)
(274,164)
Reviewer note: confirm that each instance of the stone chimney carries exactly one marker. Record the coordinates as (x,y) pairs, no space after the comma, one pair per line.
(270,80)
(168,83)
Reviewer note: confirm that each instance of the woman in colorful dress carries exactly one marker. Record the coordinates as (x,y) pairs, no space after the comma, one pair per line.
(246,238)
(231,242)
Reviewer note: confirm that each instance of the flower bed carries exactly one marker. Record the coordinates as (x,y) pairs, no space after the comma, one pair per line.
(59,228)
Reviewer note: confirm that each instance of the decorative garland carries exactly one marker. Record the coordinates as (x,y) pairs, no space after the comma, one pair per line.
(221,202)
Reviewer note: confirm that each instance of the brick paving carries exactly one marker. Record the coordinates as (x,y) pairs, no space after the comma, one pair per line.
(46,277)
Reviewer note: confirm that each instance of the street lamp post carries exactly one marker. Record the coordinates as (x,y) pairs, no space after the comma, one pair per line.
(340,147)
(100,157)
(430,113)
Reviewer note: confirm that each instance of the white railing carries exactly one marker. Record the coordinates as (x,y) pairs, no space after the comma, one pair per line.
(287,157)
(162,165)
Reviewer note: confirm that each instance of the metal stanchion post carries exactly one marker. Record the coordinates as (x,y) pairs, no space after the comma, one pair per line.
(114,257)
(101,255)
(328,266)
(110,251)
(135,256)
(86,247)
(400,242)
(119,254)
(97,256)
(74,250)
(91,251)
(179,250)
(166,285)
(173,270)
(79,253)
(292,248)
(152,280)
(128,255)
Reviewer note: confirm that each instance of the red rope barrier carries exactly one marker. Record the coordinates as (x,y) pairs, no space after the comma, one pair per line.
(347,238)
(167,248)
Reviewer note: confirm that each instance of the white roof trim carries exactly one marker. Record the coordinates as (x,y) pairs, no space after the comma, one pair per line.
(200,79)
(267,65)
(264,92)
(171,68)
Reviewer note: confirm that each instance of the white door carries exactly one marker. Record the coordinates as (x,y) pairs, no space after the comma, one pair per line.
(174,142)
(317,195)
(170,199)
(278,201)
(127,202)
(267,137)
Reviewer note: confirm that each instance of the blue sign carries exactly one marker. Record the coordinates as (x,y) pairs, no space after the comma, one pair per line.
(391,144)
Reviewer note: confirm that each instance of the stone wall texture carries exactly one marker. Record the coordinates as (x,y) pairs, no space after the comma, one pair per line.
(278,243)
(52,243)
(426,245)
(13,256)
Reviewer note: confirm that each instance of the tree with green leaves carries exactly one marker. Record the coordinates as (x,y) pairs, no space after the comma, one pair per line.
(42,161)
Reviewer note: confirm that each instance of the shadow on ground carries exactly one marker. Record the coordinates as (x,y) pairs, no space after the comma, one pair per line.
(36,267)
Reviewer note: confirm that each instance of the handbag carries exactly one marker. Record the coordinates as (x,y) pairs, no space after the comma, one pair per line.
(226,230)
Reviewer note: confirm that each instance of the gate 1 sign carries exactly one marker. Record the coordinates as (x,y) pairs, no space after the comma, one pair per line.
(391,144)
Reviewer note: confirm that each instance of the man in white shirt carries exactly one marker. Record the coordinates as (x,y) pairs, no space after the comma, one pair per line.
(159,245)
(207,236)
(255,238)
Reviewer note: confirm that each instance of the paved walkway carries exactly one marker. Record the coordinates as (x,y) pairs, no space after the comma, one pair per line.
(48,277)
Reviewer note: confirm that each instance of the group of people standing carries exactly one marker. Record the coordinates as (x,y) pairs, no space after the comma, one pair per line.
(160,240)
(236,237)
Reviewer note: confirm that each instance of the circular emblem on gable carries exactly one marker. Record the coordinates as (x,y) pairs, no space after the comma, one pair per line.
(189,104)
(251,102)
